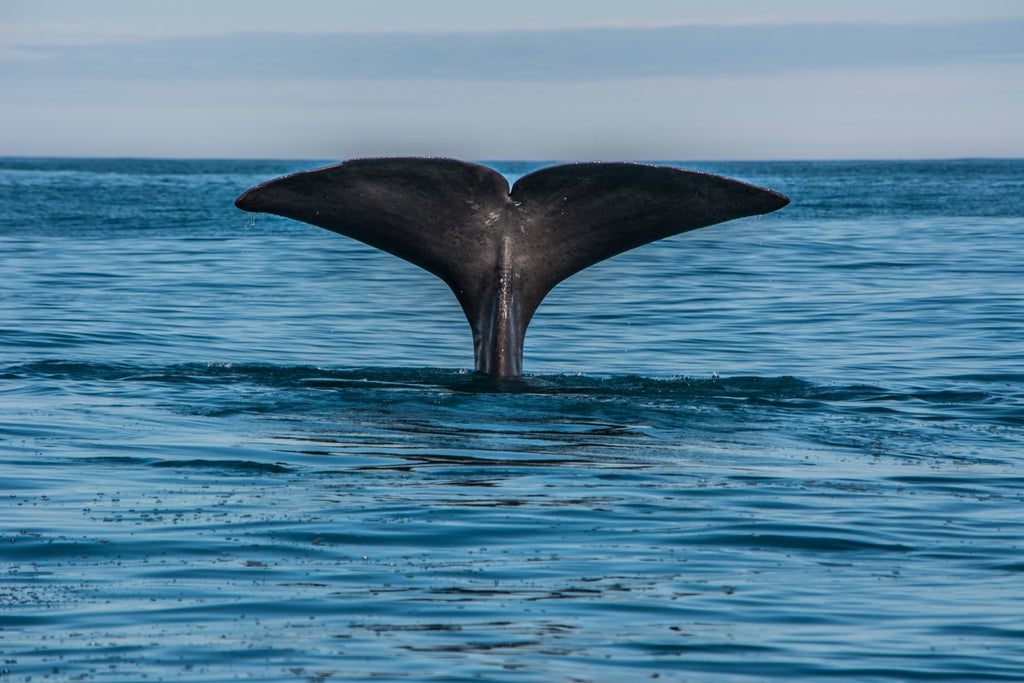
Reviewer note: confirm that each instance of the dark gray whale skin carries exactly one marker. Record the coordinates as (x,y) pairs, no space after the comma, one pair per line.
(502,251)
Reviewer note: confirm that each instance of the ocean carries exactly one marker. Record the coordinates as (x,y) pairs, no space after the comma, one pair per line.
(236,447)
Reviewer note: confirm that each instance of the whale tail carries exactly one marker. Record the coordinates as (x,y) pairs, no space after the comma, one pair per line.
(499,250)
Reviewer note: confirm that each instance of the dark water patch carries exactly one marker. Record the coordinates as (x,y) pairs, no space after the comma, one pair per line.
(119,461)
(946,482)
(797,540)
(241,467)
(769,390)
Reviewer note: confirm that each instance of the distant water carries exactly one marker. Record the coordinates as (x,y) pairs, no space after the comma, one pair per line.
(783,448)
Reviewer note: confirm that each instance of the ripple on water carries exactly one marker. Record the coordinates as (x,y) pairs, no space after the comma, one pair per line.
(784,449)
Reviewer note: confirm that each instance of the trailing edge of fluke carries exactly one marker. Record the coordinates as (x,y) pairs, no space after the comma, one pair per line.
(502,251)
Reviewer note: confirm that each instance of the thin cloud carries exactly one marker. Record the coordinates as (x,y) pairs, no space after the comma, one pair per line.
(583,54)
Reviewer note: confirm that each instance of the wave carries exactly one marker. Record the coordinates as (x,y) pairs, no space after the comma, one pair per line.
(995,398)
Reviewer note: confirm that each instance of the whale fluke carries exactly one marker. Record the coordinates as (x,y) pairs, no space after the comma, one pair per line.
(502,251)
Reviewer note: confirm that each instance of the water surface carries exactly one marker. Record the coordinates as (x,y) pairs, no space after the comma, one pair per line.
(783,448)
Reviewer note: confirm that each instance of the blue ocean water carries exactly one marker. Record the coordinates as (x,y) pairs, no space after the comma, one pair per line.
(782,448)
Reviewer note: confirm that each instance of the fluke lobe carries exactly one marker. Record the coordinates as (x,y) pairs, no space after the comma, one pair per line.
(502,251)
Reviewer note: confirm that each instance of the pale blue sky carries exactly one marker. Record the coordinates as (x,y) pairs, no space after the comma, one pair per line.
(576,79)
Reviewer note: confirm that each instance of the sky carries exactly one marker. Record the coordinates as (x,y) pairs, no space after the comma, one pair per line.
(533,79)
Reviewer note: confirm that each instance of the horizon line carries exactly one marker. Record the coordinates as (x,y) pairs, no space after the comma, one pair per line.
(485,160)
